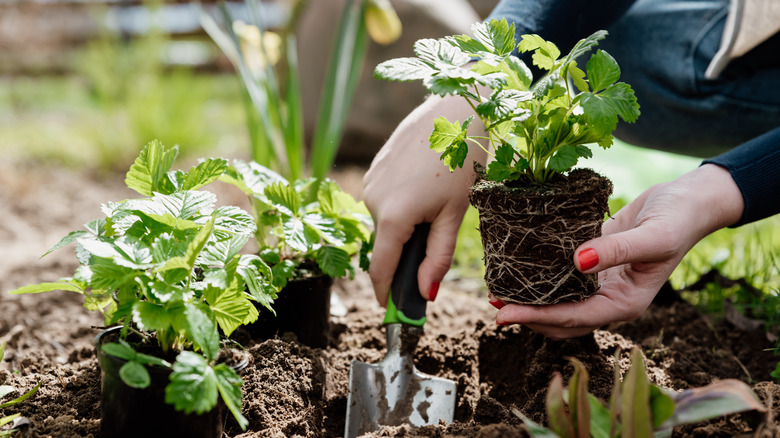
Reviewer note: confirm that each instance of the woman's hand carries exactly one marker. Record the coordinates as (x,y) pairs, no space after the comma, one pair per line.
(639,249)
(408,184)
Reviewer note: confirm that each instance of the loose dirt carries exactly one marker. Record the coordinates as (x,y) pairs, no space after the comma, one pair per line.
(293,390)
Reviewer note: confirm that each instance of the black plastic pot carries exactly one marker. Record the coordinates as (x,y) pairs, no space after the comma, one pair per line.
(303,308)
(131,412)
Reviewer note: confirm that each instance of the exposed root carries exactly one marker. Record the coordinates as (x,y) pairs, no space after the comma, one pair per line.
(529,235)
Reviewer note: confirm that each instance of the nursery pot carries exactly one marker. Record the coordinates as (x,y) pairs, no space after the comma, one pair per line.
(131,412)
(303,308)
(530,231)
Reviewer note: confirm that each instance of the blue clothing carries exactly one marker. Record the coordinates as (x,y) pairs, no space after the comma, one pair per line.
(663,48)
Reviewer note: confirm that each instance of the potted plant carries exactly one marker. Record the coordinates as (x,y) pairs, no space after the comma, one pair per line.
(165,270)
(308,232)
(534,209)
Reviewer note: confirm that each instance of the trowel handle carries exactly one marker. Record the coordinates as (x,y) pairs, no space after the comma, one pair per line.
(405,304)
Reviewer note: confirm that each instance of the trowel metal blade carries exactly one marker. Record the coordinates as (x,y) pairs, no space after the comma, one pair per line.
(394,392)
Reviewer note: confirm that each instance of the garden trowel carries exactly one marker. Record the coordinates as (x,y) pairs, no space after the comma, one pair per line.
(393,392)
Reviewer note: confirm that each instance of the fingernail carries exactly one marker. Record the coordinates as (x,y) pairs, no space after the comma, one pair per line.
(495,302)
(433,292)
(503,323)
(588,259)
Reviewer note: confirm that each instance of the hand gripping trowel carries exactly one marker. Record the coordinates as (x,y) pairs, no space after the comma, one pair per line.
(393,392)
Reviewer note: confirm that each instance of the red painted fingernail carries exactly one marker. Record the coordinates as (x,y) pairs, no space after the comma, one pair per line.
(498,304)
(588,259)
(503,323)
(433,292)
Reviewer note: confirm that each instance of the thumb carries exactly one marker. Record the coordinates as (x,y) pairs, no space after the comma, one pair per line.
(438,257)
(643,244)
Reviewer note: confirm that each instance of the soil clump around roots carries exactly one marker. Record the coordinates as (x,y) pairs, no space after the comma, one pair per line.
(291,390)
(530,231)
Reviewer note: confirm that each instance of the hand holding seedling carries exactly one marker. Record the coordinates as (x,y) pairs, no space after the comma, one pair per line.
(639,249)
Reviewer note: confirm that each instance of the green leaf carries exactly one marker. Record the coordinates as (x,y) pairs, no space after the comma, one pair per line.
(335,262)
(584,45)
(578,77)
(6,420)
(545,52)
(283,272)
(24,397)
(495,37)
(259,279)
(151,316)
(229,386)
(232,219)
(600,418)
(534,429)
(404,69)
(520,72)
(193,386)
(204,173)
(502,104)
(635,415)
(193,250)
(449,140)
(202,331)
(579,407)
(48,287)
(559,419)
(135,375)
(443,85)
(498,171)
(326,227)
(119,350)
(440,53)
(661,405)
(584,151)
(284,198)
(252,178)
(604,108)
(564,159)
(603,71)
(230,308)
(70,238)
(446,133)
(148,174)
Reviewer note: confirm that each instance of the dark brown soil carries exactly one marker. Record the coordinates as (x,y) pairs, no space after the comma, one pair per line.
(293,390)
(530,231)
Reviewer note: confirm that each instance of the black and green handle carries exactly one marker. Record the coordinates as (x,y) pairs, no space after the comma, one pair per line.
(405,304)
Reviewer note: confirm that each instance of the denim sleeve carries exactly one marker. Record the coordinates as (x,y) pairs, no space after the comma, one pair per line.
(755,167)
(564,22)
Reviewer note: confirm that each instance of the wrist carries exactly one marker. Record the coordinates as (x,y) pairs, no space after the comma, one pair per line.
(717,196)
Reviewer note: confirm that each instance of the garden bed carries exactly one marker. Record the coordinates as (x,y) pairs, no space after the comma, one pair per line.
(292,390)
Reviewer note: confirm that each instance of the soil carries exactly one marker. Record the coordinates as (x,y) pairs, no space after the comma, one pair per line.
(293,390)
(530,232)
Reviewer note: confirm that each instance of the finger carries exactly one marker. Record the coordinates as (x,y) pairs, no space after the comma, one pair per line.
(495,302)
(646,243)
(390,238)
(438,256)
